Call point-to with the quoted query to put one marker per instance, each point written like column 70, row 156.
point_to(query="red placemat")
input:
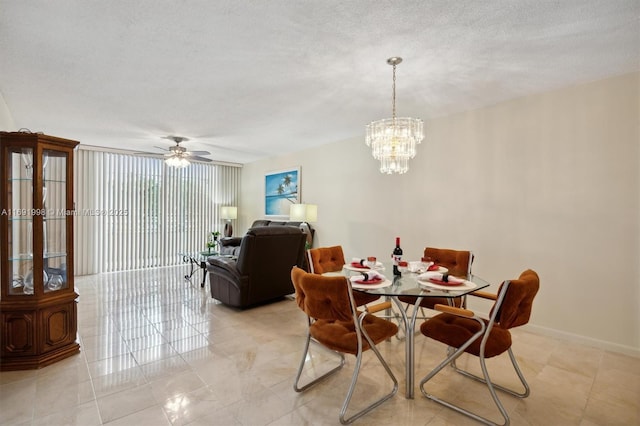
column 373, row 281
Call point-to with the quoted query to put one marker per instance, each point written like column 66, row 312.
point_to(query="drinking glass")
column 17, row 281
column 55, row 283
column 28, row 283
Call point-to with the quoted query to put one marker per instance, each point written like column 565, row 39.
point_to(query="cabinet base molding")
column 38, row 361
column 35, row 336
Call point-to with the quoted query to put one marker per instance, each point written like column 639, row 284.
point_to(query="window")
column 135, row 212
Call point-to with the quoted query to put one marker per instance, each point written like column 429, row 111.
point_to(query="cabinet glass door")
column 20, row 212
column 54, row 227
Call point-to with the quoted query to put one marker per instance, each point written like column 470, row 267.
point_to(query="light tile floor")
column 156, row 349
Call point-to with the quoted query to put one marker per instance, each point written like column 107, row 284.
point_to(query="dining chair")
column 331, row 259
column 458, row 262
column 335, row 324
column 462, row 330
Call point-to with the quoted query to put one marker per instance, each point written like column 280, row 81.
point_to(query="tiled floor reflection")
column 156, row 349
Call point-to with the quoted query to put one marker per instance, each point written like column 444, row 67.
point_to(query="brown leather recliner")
column 262, row 271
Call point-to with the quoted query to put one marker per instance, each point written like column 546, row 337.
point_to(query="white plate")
column 385, row 283
column 423, row 279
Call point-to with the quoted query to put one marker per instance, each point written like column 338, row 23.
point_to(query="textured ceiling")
column 251, row 79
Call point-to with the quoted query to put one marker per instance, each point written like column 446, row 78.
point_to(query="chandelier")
column 393, row 140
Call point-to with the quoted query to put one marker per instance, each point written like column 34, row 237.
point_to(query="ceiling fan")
column 178, row 156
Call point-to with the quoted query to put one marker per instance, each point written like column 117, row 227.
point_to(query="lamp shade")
column 229, row 212
column 303, row 212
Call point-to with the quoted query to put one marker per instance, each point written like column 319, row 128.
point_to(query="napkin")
column 451, row 280
column 422, row 266
column 359, row 263
column 368, row 277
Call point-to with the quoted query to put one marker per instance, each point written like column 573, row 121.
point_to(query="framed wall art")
column 281, row 189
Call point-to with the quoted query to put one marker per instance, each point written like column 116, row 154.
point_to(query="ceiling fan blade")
column 163, row 149
column 147, row 154
column 198, row 158
column 198, row 153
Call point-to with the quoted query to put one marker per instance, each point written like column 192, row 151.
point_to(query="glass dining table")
column 408, row 284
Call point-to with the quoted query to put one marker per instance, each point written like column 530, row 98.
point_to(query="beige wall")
column 6, row 120
column 548, row 182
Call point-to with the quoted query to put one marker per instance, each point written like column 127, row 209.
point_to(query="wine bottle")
column 397, row 257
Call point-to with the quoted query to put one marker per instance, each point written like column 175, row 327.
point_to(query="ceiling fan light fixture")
column 177, row 162
column 178, row 156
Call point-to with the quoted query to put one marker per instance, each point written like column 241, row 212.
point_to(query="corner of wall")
column 6, row 119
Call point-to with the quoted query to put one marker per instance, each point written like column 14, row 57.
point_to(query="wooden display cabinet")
column 38, row 315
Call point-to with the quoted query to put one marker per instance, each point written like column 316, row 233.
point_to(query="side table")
column 198, row 259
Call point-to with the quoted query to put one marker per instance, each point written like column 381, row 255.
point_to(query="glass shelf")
column 26, row 256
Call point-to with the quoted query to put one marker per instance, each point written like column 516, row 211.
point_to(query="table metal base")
column 202, row 264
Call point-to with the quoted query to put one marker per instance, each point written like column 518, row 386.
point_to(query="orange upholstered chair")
column 326, row 259
column 335, row 324
column 331, row 259
column 458, row 262
column 485, row 338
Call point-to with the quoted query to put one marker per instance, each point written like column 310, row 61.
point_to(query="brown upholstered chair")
column 335, row 324
column 331, row 259
column 458, row 262
column 463, row 329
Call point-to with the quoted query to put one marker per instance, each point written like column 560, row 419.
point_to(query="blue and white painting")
column 282, row 189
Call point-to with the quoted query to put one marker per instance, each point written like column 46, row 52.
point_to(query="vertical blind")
column 136, row 212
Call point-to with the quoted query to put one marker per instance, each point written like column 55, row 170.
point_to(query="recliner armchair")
column 262, row 271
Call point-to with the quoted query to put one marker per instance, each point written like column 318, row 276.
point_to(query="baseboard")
column 583, row 340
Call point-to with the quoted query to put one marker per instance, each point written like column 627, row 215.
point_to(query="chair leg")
column 516, row 367
column 354, row 380
column 296, row 384
column 486, row 379
column 450, row 359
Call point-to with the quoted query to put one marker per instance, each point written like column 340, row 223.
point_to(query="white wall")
column 6, row 120
column 548, row 182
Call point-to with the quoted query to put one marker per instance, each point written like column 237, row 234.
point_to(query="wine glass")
column 371, row 262
column 27, row 158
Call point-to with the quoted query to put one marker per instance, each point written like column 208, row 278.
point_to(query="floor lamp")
column 228, row 213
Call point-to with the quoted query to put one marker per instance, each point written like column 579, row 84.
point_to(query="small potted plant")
column 212, row 240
